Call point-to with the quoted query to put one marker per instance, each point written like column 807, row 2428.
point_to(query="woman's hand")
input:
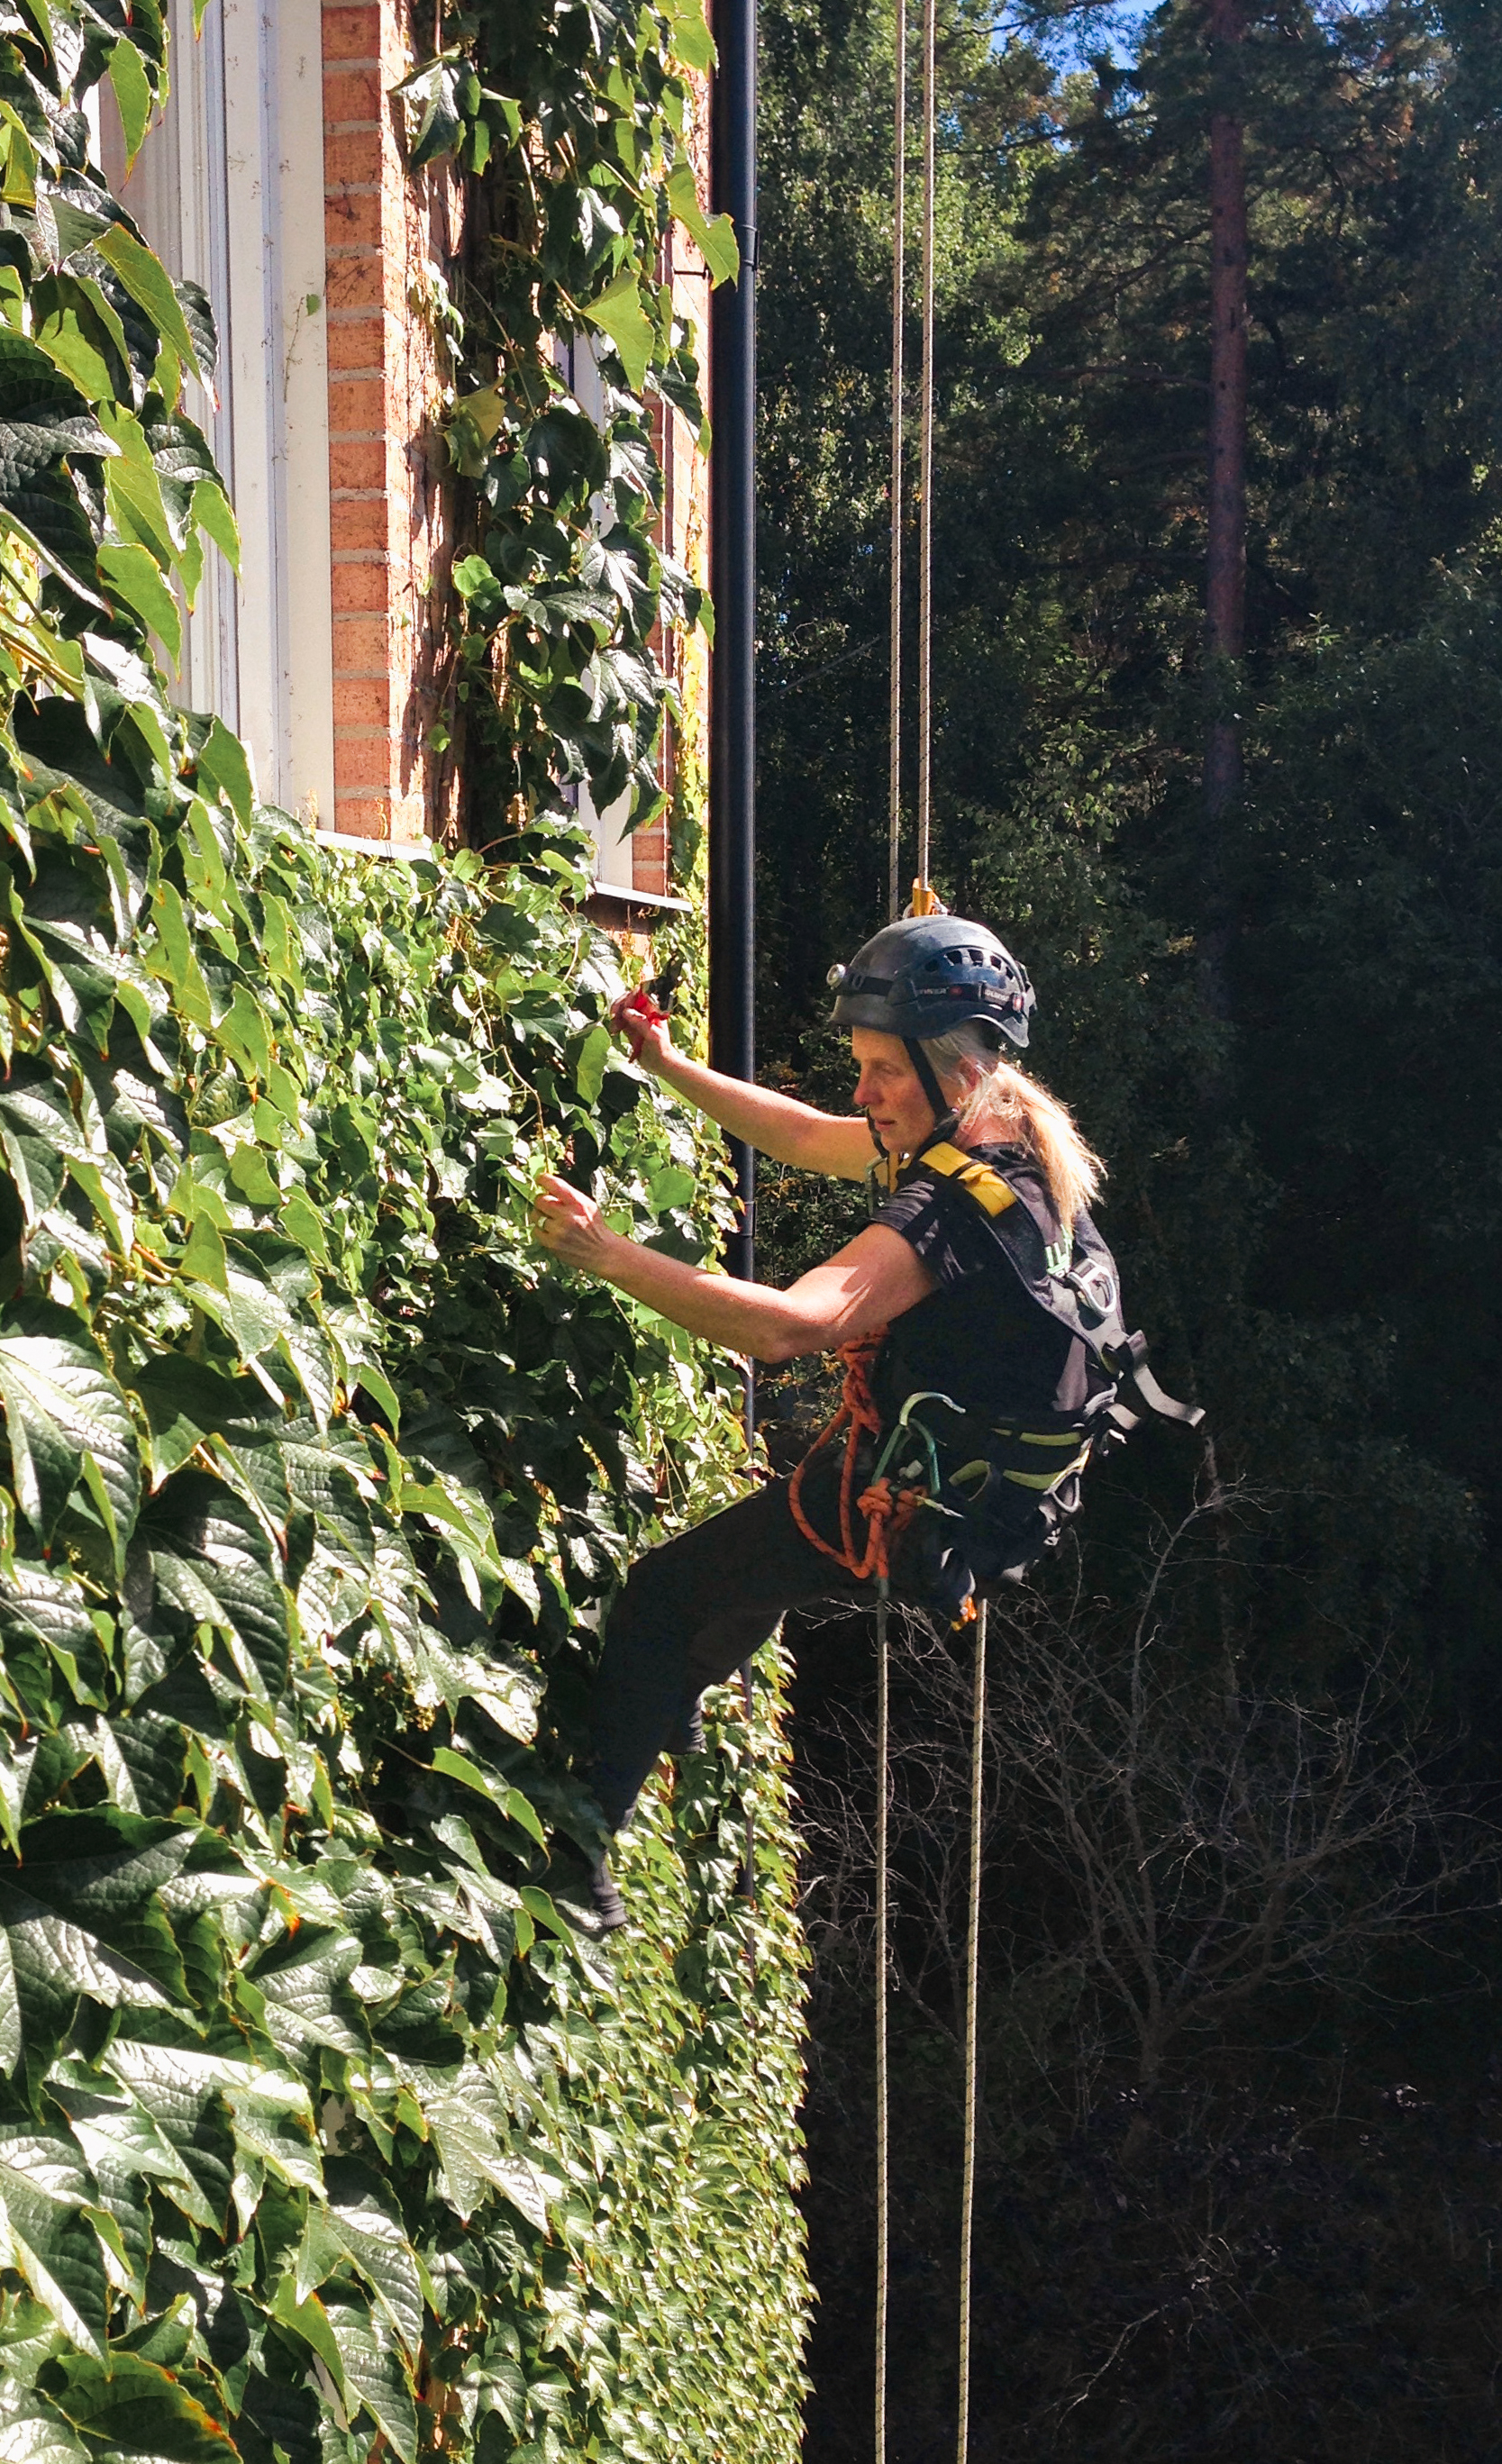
column 571, row 1227
column 646, row 1029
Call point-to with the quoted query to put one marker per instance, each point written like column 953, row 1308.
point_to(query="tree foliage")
column 325, row 2128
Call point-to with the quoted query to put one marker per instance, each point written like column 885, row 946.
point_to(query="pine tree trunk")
column 1225, row 580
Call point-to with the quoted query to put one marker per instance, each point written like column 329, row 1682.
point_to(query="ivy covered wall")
column 325, row 2128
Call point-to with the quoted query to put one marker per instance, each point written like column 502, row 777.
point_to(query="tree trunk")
column 1226, row 580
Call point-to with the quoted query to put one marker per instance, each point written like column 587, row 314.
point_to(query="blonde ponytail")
column 995, row 1101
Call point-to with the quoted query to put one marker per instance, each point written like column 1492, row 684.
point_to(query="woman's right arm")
column 779, row 1126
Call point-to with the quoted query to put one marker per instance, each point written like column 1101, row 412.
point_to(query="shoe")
column 609, row 1908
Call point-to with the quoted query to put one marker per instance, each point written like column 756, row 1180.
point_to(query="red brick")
column 358, row 522
column 356, row 342
column 360, row 280
column 352, row 33
column 363, row 817
column 352, row 97
column 362, row 702
column 356, row 405
column 362, row 761
column 356, row 464
column 352, row 154
column 352, row 217
column 361, row 587
column 362, row 645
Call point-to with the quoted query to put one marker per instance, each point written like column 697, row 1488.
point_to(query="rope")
column 972, row 2015
column 925, row 534
column 887, row 1511
column 883, row 2199
column 898, row 309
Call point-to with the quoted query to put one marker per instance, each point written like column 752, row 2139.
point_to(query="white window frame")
column 229, row 189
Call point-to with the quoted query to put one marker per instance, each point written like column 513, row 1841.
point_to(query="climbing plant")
column 565, row 585
column 325, row 2128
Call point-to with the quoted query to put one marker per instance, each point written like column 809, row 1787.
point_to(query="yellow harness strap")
column 985, row 1186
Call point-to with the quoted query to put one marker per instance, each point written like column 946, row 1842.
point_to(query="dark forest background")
column 1241, row 2160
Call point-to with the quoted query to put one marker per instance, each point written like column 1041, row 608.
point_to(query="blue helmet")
column 926, row 974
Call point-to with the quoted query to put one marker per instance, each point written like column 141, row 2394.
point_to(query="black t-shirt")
column 979, row 1338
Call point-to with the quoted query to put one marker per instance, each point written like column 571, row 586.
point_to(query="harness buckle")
column 1093, row 1286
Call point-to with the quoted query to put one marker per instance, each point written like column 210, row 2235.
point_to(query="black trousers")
column 694, row 1611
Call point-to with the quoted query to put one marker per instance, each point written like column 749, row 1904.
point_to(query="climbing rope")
column 972, row 2002
column 898, row 314
column 886, row 1515
column 925, row 509
column 883, row 2201
column 887, row 1511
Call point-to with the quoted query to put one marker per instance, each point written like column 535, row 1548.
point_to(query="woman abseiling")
column 987, row 1343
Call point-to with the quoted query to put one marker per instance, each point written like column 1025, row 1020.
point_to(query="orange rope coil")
column 887, row 1511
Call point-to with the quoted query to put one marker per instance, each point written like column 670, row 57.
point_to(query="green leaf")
column 67, row 1420
column 590, row 1067
column 506, row 1800
column 174, row 958
column 691, row 38
column 431, row 95
column 185, row 1401
column 146, row 279
column 212, row 1561
column 373, row 2373
column 138, row 2409
column 132, row 574
column 361, row 2225
column 213, row 514
column 74, row 324
column 221, row 760
column 377, row 1386
column 715, row 235
column 45, row 2235
column 474, row 2161
column 301, row 1979
column 619, row 313
column 301, row 1221
column 309, row 2319
column 133, row 94
column 118, row 2135
column 30, row 2432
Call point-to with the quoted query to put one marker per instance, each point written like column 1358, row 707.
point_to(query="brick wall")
column 388, row 238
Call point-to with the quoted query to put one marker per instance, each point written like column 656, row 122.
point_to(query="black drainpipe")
column 732, row 569
column 732, row 771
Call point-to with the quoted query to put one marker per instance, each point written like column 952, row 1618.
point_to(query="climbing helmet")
column 927, row 974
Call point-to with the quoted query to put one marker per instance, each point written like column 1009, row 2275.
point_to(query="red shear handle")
column 633, row 1014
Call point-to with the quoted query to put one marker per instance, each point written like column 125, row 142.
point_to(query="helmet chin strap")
column 945, row 1117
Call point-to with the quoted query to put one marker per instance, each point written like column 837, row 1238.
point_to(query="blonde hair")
column 996, row 1097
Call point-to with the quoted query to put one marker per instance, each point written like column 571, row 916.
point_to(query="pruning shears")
column 636, row 1013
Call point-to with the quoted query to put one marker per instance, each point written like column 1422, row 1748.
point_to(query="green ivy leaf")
column 67, row 1420
column 146, row 279
column 140, row 2410
column 45, row 2236
column 360, row 2226
column 619, row 313
column 713, row 234
column 133, row 94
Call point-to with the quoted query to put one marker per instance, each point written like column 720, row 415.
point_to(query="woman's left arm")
column 873, row 1279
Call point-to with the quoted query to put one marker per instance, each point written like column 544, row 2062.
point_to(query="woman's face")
column 890, row 1090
